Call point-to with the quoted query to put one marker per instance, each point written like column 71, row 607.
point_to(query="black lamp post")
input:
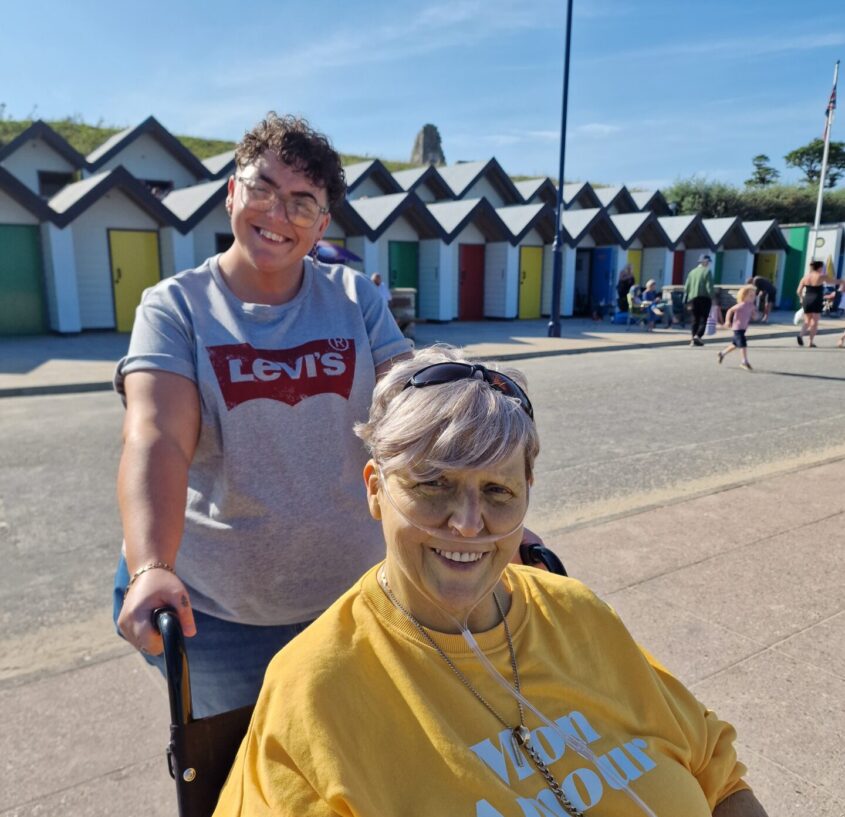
column 557, row 247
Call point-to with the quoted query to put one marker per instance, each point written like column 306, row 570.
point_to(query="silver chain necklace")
column 520, row 735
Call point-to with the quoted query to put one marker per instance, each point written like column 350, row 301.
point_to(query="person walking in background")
column 699, row 293
column 738, row 318
column 811, row 292
column 626, row 281
column 382, row 287
column 767, row 294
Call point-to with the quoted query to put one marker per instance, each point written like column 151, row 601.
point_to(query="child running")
column 738, row 318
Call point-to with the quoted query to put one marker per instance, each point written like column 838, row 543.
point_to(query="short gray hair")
column 464, row 424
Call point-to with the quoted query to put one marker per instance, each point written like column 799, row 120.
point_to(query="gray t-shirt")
column 276, row 523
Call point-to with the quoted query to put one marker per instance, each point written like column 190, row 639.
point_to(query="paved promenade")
column 739, row 591
column 51, row 364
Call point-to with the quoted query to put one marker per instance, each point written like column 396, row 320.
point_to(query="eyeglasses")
column 440, row 373
column 301, row 211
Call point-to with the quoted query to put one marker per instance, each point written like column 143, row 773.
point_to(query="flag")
column 828, row 112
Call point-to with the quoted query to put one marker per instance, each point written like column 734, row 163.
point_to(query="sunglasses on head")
column 440, row 373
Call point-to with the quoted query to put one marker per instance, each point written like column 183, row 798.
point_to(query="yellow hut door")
column 530, row 279
column 635, row 259
column 134, row 267
column 766, row 265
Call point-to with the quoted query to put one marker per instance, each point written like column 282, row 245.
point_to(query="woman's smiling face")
column 441, row 578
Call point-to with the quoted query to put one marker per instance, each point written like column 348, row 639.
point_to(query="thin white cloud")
column 596, row 129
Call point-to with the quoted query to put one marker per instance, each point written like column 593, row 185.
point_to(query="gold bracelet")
column 140, row 572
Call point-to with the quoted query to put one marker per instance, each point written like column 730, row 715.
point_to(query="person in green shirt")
column 699, row 293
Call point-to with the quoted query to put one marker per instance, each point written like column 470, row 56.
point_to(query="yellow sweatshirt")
column 360, row 716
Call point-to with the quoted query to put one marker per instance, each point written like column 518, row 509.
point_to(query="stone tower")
column 428, row 149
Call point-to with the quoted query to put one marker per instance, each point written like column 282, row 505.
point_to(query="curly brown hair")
column 293, row 141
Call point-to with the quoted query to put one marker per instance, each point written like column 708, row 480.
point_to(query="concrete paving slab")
column 140, row 790
column 786, row 712
column 766, row 591
column 697, row 647
column 785, row 793
column 76, row 727
column 822, row 646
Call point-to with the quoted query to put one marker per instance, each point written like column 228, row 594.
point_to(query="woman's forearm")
column 741, row 804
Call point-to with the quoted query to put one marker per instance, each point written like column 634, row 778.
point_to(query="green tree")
column 763, row 174
column 808, row 160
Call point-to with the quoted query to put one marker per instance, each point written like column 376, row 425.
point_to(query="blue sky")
column 659, row 89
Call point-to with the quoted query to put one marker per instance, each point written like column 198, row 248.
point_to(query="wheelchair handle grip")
column 177, row 674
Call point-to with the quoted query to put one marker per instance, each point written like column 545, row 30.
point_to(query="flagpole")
column 825, row 152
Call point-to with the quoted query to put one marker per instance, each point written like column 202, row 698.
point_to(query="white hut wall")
column 33, row 156
column 114, row 211
column 355, row 244
column 147, row 160
column 657, row 264
column 217, row 222
column 498, row 300
column 60, row 278
column 737, row 266
column 567, row 291
column 177, row 251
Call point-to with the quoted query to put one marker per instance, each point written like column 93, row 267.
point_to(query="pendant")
column 519, row 737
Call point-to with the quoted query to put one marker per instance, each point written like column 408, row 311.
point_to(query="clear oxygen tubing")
column 576, row 744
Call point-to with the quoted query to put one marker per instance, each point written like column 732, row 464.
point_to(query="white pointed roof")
column 407, row 178
column 518, row 216
column 72, row 193
column 376, row 210
column 184, row 202
column 216, row 164
column 629, row 224
column 676, row 226
column 529, row 187
column 450, row 214
column 718, row 228
column 461, row 175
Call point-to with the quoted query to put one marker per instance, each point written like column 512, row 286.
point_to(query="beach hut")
column 580, row 196
column 652, row 200
column 152, row 155
column 688, row 240
column 734, row 262
column 109, row 245
column 616, row 200
column 202, row 227
column 534, row 191
column 589, row 260
column 27, row 299
column 645, row 246
column 42, row 159
column 395, row 226
column 462, row 284
column 516, row 270
column 425, row 181
column 770, row 249
column 368, row 179
column 472, row 180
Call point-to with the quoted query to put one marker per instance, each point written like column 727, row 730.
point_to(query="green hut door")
column 403, row 266
column 21, row 281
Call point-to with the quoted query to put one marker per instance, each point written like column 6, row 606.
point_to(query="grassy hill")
column 86, row 138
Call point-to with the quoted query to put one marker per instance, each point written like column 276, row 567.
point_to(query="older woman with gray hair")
column 449, row 681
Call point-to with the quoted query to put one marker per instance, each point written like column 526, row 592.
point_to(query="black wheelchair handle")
column 534, row 554
column 166, row 621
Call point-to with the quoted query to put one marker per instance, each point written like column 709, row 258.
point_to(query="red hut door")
column 471, row 282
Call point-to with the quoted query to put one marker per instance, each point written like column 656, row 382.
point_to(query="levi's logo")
column 325, row 366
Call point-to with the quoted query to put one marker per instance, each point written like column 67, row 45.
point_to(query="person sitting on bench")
column 448, row 680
